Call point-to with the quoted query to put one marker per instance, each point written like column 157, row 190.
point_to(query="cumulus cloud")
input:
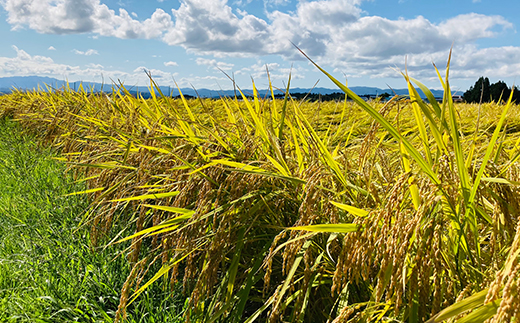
column 214, row 64
column 86, row 53
column 277, row 72
column 98, row 66
column 332, row 31
column 51, row 48
column 211, row 26
column 25, row 64
column 276, row 2
column 157, row 75
column 473, row 26
column 82, row 16
column 210, row 81
column 171, row 63
column 472, row 62
column 336, row 33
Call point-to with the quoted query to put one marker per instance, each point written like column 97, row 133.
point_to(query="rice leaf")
column 245, row 168
column 499, row 180
column 186, row 214
column 172, row 209
column 351, row 209
column 284, row 109
column 107, row 165
column 334, row 228
column 288, row 279
column 418, row 114
column 163, row 271
column 93, row 190
column 414, row 190
column 467, row 304
column 481, row 314
column 489, row 150
column 146, row 197
column 414, row 153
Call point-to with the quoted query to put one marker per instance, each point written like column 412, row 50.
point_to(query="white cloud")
column 333, row 32
column 469, row 27
column 211, row 26
column 86, row 53
column 51, row 48
column 214, row 64
column 242, row 3
column 24, row 64
column 158, row 75
column 209, row 81
column 170, row 63
column 276, row 2
column 97, row 66
column 471, row 62
column 258, row 71
column 82, row 16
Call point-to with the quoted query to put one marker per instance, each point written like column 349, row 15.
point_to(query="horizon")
column 194, row 42
column 33, row 82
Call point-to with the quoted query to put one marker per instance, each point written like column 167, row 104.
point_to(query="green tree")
column 384, row 96
column 516, row 94
column 477, row 91
column 499, row 91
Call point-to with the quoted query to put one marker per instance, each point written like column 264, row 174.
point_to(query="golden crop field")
column 290, row 211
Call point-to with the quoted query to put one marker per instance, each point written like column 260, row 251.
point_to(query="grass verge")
column 48, row 270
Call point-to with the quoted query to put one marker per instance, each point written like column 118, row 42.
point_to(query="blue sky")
column 193, row 41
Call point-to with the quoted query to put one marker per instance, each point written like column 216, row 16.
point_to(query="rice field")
column 273, row 210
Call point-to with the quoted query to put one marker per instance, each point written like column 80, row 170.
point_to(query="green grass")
column 48, row 270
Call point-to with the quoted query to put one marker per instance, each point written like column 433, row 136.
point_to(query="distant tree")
column 499, row 91
column 492, row 92
column 516, row 95
column 480, row 89
column 384, row 96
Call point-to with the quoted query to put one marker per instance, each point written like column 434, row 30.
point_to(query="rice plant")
column 284, row 210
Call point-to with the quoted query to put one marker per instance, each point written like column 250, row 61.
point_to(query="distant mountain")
column 35, row 82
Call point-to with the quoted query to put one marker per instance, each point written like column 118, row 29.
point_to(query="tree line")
column 483, row 91
column 336, row 96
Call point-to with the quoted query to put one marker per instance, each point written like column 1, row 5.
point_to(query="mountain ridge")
column 43, row 82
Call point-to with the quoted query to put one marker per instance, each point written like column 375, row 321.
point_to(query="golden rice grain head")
column 509, row 307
